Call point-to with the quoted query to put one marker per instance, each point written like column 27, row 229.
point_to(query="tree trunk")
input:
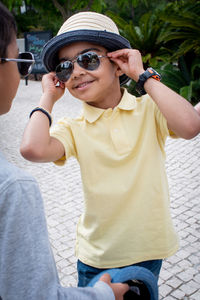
column 61, row 9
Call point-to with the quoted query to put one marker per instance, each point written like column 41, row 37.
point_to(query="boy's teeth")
column 82, row 84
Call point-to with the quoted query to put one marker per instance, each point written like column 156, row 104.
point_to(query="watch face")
column 150, row 72
column 153, row 73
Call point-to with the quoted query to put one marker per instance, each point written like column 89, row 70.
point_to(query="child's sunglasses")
column 24, row 61
column 89, row 61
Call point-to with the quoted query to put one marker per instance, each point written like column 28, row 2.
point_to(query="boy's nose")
column 77, row 71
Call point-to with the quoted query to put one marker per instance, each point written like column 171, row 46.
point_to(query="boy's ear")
column 119, row 71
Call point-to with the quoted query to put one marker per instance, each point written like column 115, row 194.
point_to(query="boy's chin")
column 84, row 97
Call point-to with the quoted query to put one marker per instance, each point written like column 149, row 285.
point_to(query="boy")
column 118, row 141
column 27, row 267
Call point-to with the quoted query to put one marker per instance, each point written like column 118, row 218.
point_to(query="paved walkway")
column 61, row 189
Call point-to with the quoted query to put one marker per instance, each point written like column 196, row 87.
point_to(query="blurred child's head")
column 8, row 29
column 9, row 75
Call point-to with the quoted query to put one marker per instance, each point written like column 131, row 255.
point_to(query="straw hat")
column 88, row 27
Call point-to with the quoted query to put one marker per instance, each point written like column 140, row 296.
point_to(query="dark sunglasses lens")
column 25, row 67
column 88, row 61
column 64, row 70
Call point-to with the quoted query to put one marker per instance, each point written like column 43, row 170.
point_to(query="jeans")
column 86, row 273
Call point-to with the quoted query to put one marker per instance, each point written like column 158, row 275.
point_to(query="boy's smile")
column 83, row 84
column 99, row 87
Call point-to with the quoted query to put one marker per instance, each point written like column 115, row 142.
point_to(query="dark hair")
column 8, row 29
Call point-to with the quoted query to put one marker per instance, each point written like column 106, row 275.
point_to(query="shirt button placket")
column 118, row 134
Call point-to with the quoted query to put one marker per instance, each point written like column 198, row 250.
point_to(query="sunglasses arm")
column 17, row 60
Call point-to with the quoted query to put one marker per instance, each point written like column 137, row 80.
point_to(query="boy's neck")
column 109, row 102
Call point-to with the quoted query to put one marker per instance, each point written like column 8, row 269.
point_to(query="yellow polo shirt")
column 122, row 160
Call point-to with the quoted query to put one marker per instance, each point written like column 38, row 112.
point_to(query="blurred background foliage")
column 167, row 32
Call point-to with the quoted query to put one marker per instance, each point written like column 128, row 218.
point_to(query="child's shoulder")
column 144, row 101
column 11, row 175
column 68, row 121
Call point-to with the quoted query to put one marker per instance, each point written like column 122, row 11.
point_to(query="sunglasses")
column 89, row 61
column 24, row 61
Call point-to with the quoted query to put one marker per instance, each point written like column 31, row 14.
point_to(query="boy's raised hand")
column 119, row 289
column 51, row 88
column 182, row 119
column 129, row 61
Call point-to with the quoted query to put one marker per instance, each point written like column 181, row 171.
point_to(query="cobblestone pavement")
column 62, row 193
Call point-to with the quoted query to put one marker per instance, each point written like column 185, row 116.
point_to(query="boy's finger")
column 119, row 53
column 121, row 288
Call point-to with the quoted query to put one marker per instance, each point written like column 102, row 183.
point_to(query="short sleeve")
column 160, row 122
column 63, row 132
column 163, row 130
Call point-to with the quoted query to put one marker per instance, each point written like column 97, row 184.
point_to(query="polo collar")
column 92, row 113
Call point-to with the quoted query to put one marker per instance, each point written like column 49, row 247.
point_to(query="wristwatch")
column 150, row 72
